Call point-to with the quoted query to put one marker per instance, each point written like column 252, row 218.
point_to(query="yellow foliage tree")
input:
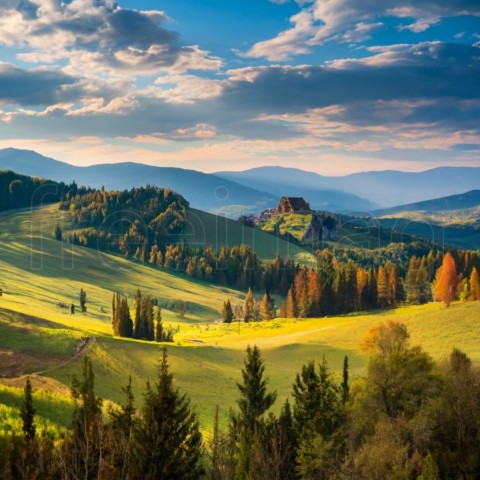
column 446, row 280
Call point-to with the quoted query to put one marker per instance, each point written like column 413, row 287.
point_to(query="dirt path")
column 81, row 351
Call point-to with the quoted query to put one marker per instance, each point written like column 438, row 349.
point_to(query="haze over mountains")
column 236, row 193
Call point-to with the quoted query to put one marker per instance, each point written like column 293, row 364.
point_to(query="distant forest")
column 142, row 223
column 20, row 191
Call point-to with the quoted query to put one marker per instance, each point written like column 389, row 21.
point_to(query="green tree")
column 83, row 300
column 168, row 443
column 345, row 385
column 255, row 400
column 27, row 412
column 227, row 312
column 57, row 232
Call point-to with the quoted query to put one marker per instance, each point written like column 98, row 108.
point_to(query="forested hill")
column 127, row 221
column 19, row 191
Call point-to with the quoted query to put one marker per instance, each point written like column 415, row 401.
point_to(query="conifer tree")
column 138, row 331
column 168, row 443
column 27, row 412
column 283, row 309
column 382, row 288
column 227, row 312
column 255, row 400
column 345, row 385
column 159, row 333
column 249, row 306
column 83, row 300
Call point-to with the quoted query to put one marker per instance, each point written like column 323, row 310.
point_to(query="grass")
column 293, row 223
column 207, row 229
column 206, row 358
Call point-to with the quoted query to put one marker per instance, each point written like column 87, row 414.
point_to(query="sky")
column 332, row 86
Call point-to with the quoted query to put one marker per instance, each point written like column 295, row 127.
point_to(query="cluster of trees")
column 147, row 324
column 19, row 191
column 161, row 440
column 135, row 223
column 406, row 418
column 251, row 310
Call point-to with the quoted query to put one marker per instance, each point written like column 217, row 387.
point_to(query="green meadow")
column 37, row 336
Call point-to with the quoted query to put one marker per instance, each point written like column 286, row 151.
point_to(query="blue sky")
column 333, row 86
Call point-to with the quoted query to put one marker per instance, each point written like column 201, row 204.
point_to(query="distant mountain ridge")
column 203, row 191
column 387, row 188
column 462, row 201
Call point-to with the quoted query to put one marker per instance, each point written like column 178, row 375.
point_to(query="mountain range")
column 250, row 191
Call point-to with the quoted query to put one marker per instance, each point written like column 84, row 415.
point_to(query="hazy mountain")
column 299, row 183
column 203, row 191
column 386, row 188
column 464, row 201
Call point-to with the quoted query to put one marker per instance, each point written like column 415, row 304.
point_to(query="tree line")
column 335, row 288
column 406, row 418
column 20, row 191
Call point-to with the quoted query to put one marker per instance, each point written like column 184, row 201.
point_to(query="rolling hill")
column 37, row 336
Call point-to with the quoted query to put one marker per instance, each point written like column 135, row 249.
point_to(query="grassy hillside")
column 38, row 336
column 207, row 229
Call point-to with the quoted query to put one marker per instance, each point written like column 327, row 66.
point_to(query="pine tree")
column 267, row 307
column 159, row 334
column 27, row 412
column 249, row 306
column 254, row 402
column 474, row 285
column 83, row 300
column 283, row 310
column 446, row 280
column 58, row 232
column 168, row 443
column 345, row 385
column 227, row 312
column 138, row 331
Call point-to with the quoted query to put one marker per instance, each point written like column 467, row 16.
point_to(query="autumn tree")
column 474, row 285
column 291, row 305
column 446, row 280
column 267, row 307
column 249, row 306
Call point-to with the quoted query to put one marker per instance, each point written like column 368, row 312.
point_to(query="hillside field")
column 37, row 336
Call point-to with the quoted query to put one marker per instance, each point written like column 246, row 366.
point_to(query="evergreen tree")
column 83, row 300
column 227, row 312
column 138, row 331
column 345, row 385
column 27, row 412
column 382, row 288
column 267, row 307
column 249, row 306
column 58, row 232
column 168, row 443
column 255, row 400
column 159, row 333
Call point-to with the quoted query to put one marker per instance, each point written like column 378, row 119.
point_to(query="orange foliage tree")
column 446, row 280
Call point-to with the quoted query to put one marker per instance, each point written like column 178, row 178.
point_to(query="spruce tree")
column 345, row 385
column 227, row 312
column 138, row 331
column 27, row 412
column 159, row 335
column 83, row 300
column 291, row 305
column 255, row 400
column 168, row 443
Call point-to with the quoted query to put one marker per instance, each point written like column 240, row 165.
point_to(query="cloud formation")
column 321, row 21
